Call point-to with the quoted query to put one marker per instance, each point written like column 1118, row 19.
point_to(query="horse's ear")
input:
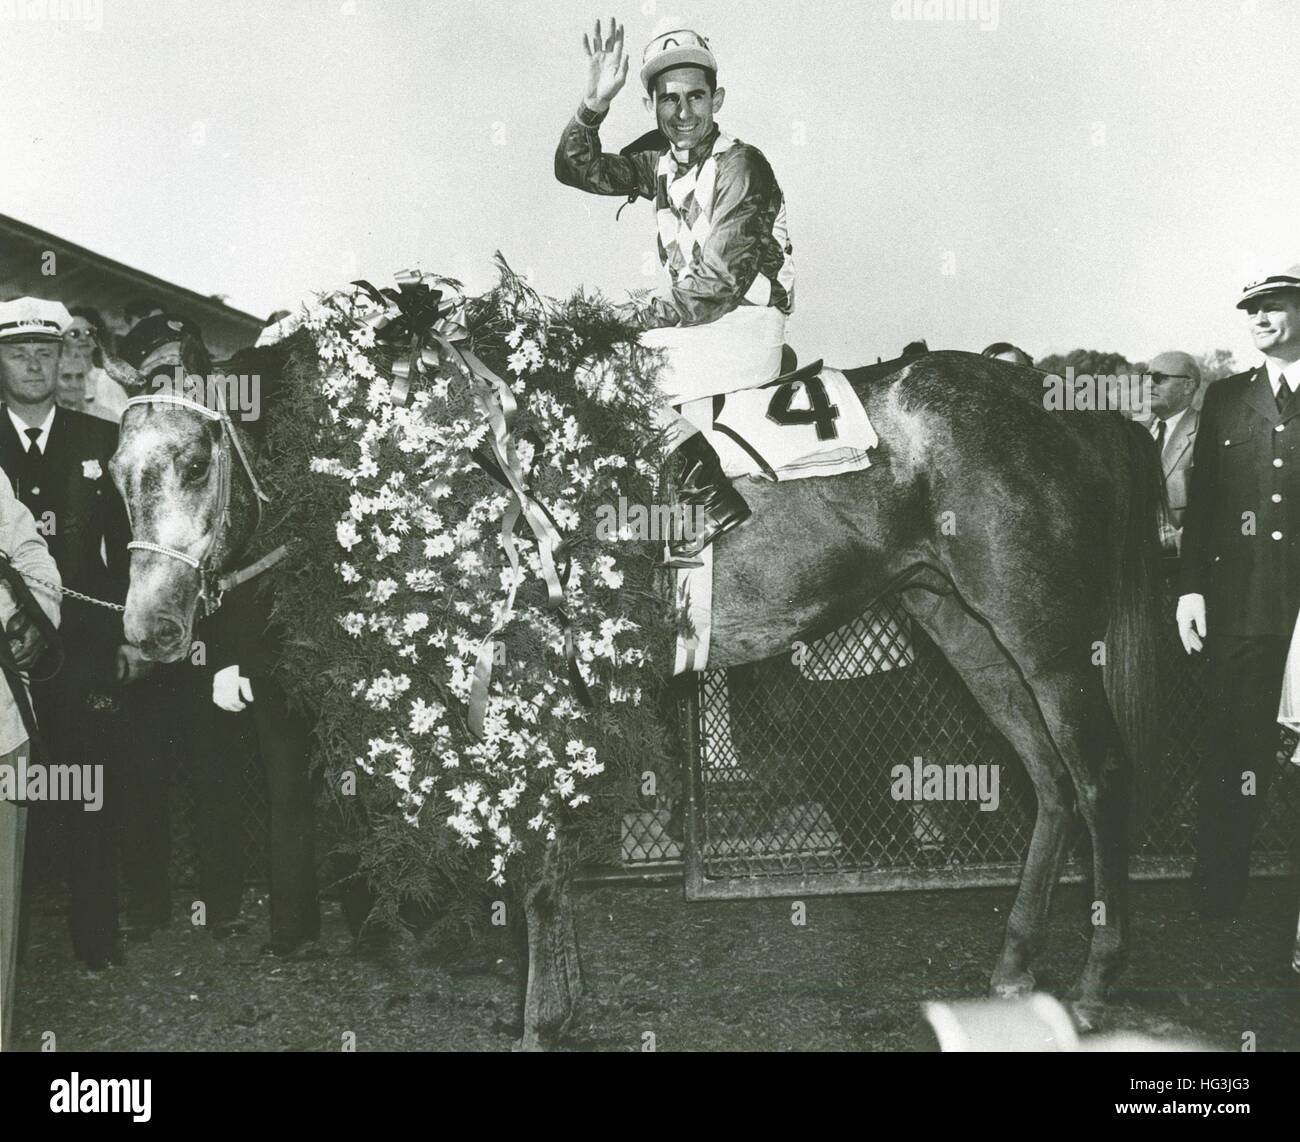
column 125, row 375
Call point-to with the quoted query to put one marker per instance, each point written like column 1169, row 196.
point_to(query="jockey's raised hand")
column 606, row 66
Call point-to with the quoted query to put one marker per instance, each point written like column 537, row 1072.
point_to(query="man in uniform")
column 722, row 238
column 57, row 461
column 1240, row 581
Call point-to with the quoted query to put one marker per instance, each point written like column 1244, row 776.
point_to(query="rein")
column 212, row 585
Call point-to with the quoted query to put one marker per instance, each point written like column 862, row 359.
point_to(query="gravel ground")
column 698, row 976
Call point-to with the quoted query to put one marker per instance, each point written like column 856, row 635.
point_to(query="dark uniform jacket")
column 71, row 495
column 1241, row 527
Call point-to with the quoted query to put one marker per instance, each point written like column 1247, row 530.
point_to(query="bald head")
column 1175, row 378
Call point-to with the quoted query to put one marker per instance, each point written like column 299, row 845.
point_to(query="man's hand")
column 131, row 664
column 231, row 690
column 24, row 640
column 1191, row 621
column 606, row 66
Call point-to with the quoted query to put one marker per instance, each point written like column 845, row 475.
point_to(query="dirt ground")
column 700, row 977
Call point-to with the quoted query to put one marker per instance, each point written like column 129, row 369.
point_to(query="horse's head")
column 173, row 470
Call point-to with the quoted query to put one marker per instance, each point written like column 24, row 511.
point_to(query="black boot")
column 711, row 505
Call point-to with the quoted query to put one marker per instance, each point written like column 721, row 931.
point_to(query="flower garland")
column 418, row 577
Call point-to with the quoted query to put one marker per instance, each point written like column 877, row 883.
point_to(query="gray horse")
column 1023, row 540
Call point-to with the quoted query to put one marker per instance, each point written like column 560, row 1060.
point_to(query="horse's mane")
column 270, row 364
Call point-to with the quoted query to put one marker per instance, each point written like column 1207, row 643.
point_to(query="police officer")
column 1240, row 581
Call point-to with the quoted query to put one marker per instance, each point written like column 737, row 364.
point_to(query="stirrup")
column 677, row 562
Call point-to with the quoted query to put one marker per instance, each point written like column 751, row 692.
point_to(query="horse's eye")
column 196, row 471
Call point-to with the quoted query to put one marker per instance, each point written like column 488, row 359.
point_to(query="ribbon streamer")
column 417, row 314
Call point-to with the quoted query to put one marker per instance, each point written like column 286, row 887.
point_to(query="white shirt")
column 21, row 426
column 1171, row 422
column 1277, row 370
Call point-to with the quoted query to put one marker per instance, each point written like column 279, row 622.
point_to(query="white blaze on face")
column 165, row 470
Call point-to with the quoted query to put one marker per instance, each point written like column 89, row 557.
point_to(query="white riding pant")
column 741, row 350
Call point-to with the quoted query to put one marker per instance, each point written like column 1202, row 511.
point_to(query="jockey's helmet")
column 680, row 48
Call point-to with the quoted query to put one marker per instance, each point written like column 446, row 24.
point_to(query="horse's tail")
column 1132, row 673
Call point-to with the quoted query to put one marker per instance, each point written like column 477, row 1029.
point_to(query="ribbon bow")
column 417, row 313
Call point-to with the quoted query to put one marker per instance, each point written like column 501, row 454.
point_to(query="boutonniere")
column 91, row 469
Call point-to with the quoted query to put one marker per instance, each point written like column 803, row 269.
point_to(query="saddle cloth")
column 790, row 431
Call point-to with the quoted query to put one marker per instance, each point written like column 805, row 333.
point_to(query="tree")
column 1091, row 361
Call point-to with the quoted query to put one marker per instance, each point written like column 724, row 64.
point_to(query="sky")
column 1104, row 174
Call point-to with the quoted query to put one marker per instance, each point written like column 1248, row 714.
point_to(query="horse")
column 1023, row 540
column 161, row 469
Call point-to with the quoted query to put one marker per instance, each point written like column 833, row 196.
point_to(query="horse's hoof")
column 1087, row 1014
column 1012, row 986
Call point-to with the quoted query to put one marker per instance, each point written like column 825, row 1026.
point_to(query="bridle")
column 212, row 583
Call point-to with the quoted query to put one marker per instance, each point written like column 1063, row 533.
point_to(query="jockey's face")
column 684, row 106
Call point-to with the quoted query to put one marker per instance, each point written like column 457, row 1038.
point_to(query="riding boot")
column 711, row 505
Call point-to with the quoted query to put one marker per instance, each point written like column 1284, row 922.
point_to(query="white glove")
column 1191, row 621
column 231, row 690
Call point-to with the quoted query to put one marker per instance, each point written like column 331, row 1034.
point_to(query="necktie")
column 1283, row 393
column 1160, row 436
column 33, row 435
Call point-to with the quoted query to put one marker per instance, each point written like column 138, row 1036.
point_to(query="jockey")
column 722, row 238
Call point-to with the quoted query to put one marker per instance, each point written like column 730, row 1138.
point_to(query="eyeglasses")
column 79, row 335
column 1160, row 378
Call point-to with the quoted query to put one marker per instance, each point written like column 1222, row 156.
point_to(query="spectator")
column 57, row 461
column 84, row 386
column 24, row 547
column 1240, row 582
column 1005, row 351
column 1170, row 390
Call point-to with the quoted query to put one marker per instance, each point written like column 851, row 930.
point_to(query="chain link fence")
column 789, row 785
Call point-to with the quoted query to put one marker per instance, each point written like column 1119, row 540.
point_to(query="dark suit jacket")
column 78, row 510
column 1241, row 527
column 240, row 632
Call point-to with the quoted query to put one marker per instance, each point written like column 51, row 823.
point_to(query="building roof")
column 86, row 278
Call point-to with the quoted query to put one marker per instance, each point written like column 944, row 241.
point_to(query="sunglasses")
column 1160, row 378
column 79, row 335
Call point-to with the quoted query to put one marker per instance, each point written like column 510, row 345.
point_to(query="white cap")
column 1287, row 279
column 33, row 319
column 678, row 48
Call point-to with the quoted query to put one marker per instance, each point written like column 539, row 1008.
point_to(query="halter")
column 213, row 585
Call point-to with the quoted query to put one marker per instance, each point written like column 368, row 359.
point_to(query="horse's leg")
column 554, row 965
column 997, row 685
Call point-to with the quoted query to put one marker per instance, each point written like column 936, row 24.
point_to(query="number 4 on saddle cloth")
column 805, row 423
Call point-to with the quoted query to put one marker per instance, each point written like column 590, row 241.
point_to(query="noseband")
column 212, row 584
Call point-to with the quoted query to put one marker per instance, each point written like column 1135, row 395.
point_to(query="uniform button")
column 36, row 491
column 1276, row 497
column 1278, row 462
column 1277, row 535
column 1278, row 427
column 1226, row 443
